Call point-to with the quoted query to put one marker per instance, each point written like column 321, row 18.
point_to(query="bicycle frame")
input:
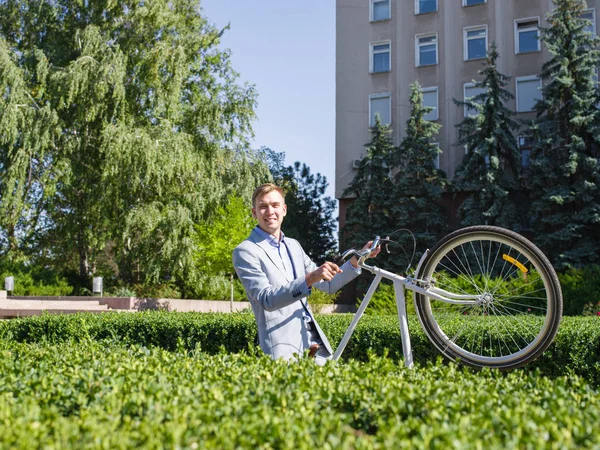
column 400, row 285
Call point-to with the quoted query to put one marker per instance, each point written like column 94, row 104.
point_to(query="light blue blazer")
column 277, row 299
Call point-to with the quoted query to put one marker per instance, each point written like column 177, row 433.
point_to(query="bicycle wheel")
column 519, row 301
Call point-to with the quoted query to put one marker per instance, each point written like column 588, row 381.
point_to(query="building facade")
column 383, row 46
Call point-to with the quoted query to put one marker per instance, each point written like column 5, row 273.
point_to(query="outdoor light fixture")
column 97, row 286
column 9, row 284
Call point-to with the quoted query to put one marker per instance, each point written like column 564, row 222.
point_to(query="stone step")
column 14, row 313
column 71, row 298
column 93, row 305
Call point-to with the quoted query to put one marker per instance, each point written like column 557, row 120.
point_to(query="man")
column 278, row 277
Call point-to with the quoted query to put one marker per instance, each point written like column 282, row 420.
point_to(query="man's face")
column 270, row 210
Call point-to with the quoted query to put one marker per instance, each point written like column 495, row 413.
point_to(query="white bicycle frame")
column 400, row 285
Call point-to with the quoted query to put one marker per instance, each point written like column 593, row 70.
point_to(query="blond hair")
column 264, row 189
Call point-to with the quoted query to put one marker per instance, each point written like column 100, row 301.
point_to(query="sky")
column 286, row 48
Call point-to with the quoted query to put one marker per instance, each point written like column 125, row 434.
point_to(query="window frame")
column 524, row 148
column 516, row 35
column 418, row 11
column 372, row 10
column 436, row 109
column 418, row 49
column 521, row 79
column 465, row 107
column 372, row 54
column 466, row 41
column 593, row 11
column 380, row 95
column 464, row 3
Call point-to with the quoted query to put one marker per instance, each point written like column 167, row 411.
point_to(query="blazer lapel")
column 270, row 252
column 296, row 257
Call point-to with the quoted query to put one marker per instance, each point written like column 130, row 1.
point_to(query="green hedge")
column 37, row 283
column 108, row 395
column 580, row 287
column 576, row 349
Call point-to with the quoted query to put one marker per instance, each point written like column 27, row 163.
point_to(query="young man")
column 278, row 277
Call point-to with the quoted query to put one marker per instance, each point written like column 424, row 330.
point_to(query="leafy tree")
column 310, row 213
column 489, row 173
column 564, row 172
column 116, row 123
column 418, row 184
column 371, row 212
column 215, row 239
column 27, row 130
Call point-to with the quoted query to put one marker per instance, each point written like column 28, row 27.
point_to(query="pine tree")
column 370, row 213
column 489, row 172
column 310, row 214
column 419, row 184
column 564, row 171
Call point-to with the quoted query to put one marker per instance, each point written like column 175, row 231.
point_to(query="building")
column 382, row 46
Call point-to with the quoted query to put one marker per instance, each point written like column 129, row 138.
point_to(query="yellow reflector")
column 513, row 261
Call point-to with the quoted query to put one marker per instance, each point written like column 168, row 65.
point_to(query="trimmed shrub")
column 576, row 349
column 579, row 287
column 108, row 395
column 37, row 283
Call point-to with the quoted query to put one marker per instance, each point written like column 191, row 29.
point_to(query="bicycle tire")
column 519, row 299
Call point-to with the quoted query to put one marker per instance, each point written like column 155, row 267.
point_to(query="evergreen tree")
column 419, row 184
column 310, row 213
column 489, row 172
column 370, row 213
column 564, row 171
column 115, row 131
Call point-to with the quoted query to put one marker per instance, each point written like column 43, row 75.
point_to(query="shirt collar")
column 269, row 237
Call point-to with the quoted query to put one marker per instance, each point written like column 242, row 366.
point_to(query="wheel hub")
column 486, row 299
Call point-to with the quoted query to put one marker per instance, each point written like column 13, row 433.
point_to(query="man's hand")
column 374, row 253
column 325, row 272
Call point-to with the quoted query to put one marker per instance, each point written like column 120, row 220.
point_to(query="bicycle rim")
column 519, row 302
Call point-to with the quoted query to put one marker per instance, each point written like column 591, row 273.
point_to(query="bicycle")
column 485, row 296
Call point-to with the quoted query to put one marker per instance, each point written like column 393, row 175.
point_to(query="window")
column 528, row 93
column 525, row 145
column 590, row 14
column 527, row 33
column 470, row 91
column 380, row 57
column 430, row 98
column 426, row 51
column 380, row 10
column 425, row 6
column 380, row 104
column 473, row 2
column 475, row 42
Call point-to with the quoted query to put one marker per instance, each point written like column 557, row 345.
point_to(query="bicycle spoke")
column 502, row 318
column 513, row 317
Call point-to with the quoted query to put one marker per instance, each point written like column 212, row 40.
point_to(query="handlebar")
column 362, row 255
